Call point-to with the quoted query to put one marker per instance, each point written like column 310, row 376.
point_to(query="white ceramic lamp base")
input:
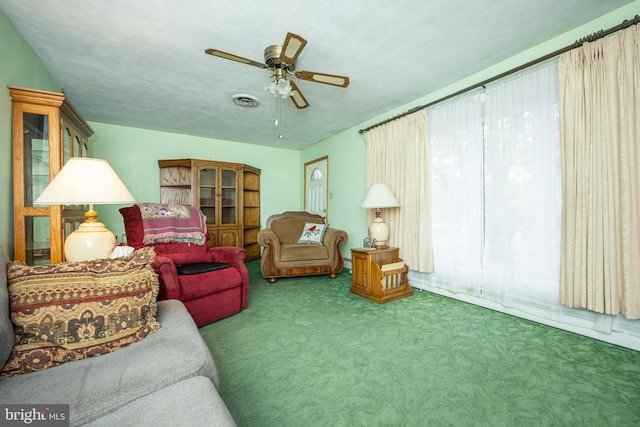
column 92, row 240
column 379, row 230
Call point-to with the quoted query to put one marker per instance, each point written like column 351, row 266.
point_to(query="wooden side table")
column 379, row 275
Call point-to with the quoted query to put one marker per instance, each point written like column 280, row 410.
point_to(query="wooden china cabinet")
column 227, row 193
column 47, row 131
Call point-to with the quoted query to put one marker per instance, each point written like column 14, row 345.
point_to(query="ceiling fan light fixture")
column 280, row 87
column 244, row 100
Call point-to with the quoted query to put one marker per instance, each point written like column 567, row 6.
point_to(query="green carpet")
column 309, row 353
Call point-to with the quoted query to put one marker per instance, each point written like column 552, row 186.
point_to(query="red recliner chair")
column 212, row 282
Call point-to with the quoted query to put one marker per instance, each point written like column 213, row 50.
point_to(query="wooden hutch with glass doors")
column 47, row 131
column 228, row 194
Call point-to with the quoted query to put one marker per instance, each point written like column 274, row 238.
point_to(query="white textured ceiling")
column 142, row 63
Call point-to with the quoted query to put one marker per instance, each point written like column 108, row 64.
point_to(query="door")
column 316, row 187
column 360, row 271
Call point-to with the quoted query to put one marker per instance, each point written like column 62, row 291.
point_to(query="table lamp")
column 378, row 197
column 86, row 181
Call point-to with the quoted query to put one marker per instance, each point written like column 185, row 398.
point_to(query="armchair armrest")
column 268, row 239
column 168, row 276
column 271, row 254
column 228, row 254
column 333, row 239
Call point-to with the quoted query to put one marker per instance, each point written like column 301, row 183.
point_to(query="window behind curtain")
column 455, row 151
column 496, row 195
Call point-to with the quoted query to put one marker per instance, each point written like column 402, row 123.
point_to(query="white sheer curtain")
column 495, row 189
column 523, row 188
column 600, row 93
column 455, row 152
column 397, row 156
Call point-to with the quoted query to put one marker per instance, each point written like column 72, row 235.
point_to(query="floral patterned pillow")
column 73, row 310
column 313, row 233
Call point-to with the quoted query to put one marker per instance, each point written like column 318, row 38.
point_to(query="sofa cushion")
column 303, row 252
column 73, row 310
column 194, row 402
column 98, row 386
column 312, row 233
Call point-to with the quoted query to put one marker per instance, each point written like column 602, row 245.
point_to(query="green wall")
column 134, row 154
column 19, row 66
column 346, row 150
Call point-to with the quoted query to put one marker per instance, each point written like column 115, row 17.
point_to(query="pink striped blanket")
column 172, row 223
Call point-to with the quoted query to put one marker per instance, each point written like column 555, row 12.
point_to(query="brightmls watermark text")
column 34, row 415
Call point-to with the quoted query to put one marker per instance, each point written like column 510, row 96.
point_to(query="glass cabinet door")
column 229, row 199
column 208, row 194
column 37, row 228
column 36, row 156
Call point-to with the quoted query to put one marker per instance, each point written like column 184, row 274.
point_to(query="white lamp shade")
column 84, row 181
column 379, row 196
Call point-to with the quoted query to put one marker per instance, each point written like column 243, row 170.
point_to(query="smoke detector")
column 245, row 100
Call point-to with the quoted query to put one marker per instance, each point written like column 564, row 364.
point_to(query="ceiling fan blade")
column 231, row 56
column 296, row 96
column 328, row 79
column 293, row 45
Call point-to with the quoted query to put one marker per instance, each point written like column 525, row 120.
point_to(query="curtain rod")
column 590, row 38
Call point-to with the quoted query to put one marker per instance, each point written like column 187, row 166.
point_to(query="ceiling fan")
column 281, row 60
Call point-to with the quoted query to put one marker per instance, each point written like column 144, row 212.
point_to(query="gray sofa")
column 167, row 379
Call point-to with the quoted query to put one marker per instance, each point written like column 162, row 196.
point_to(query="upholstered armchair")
column 290, row 249
column 212, row 282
